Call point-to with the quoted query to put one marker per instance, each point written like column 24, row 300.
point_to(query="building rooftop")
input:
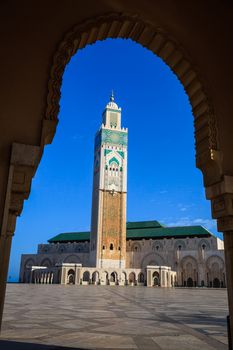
column 140, row 230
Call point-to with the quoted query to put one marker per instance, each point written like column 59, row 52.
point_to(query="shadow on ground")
column 14, row 345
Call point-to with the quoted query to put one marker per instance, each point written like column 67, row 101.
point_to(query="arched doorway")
column 216, row 283
column 86, row 276
column 71, row 276
column 113, row 277
column 189, row 282
column 132, row 278
column 95, row 277
column 156, row 279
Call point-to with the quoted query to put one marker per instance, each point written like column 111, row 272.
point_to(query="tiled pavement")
column 99, row 317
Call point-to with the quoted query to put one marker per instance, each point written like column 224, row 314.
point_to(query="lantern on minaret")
column 108, row 222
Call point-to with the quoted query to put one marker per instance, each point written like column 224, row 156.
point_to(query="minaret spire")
column 112, row 96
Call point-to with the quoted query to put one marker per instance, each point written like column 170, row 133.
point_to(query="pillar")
column 221, row 195
column 23, row 163
column 5, row 248
column 228, row 247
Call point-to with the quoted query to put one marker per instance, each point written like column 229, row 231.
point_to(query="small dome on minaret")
column 111, row 104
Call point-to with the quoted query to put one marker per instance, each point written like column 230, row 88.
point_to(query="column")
column 23, row 163
column 221, row 196
column 228, row 247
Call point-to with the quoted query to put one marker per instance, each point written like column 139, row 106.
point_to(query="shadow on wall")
column 14, row 345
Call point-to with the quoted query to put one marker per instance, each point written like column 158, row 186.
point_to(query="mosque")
column 116, row 252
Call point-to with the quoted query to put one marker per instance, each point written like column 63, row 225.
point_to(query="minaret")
column 108, row 222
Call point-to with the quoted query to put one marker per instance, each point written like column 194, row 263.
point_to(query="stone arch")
column 216, row 283
column 29, row 262
column 132, row 277
column 95, row 277
column 71, row 276
column 72, row 259
column 215, row 258
column 123, row 277
column 62, row 248
column 179, row 243
column 215, row 270
column 204, row 243
column 136, row 247
column 157, row 246
column 153, row 259
column 46, row 262
column 131, row 26
column 113, row 276
column 86, row 276
column 189, row 282
column 189, row 259
column 156, row 278
column 189, row 270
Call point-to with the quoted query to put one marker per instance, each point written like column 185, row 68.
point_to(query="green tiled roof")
column 140, row 230
column 168, row 232
column 143, row 224
column 71, row 236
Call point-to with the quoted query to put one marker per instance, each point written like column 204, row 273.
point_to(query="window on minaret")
column 103, row 247
column 111, row 246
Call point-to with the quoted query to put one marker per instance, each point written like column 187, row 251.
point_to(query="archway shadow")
column 15, row 345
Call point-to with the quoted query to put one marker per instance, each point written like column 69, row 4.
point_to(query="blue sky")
column 163, row 182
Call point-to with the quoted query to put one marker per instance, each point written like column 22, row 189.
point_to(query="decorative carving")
column 23, row 164
column 221, row 196
column 114, row 25
column 225, row 224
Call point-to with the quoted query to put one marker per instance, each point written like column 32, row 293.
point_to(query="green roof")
column 71, row 236
column 168, row 232
column 140, row 230
column 142, row 224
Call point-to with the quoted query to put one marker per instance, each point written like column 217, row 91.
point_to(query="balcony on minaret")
column 112, row 115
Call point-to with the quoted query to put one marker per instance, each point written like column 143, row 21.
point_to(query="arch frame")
column 72, row 255
column 214, row 257
column 157, row 40
column 187, row 258
column 152, row 256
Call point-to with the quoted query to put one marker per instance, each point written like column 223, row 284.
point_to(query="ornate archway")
column 155, row 39
column 129, row 26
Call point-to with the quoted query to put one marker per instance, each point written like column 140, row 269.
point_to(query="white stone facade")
column 189, row 262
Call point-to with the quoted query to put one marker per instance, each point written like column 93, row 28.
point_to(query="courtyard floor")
column 110, row 317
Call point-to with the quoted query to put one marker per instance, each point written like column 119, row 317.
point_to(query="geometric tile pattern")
column 112, row 317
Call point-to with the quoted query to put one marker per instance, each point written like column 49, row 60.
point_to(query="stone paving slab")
column 101, row 317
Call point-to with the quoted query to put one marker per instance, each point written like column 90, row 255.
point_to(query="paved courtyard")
column 107, row 317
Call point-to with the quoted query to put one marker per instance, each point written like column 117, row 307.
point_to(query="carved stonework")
column 23, row 164
column 225, row 224
column 118, row 25
column 221, row 196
